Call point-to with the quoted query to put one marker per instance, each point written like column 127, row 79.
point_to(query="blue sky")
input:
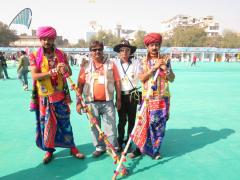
column 71, row 18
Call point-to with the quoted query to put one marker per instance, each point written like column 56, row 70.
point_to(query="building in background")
column 210, row 26
column 124, row 33
column 32, row 41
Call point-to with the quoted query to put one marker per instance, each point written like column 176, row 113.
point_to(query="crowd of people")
column 106, row 85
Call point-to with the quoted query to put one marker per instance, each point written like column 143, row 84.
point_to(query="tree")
column 6, row 35
column 189, row 37
column 65, row 43
column 108, row 38
column 214, row 42
column 230, row 39
column 81, row 44
column 139, row 36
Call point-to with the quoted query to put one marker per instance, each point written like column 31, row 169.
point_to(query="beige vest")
column 108, row 81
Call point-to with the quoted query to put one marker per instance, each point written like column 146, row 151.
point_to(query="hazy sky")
column 71, row 18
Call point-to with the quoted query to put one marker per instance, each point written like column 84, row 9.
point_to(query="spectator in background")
column 194, row 61
column 22, row 70
column 4, row 65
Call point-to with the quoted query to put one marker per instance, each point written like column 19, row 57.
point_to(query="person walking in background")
column 22, row 70
column 51, row 97
column 4, row 65
column 194, row 61
column 1, row 71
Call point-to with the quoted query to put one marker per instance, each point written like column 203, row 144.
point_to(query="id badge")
column 124, row 81
column 101, row 79
column 95, row 76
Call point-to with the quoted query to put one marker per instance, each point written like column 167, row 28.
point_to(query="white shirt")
column 128, row 72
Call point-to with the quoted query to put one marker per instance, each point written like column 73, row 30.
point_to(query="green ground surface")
column 202, row 138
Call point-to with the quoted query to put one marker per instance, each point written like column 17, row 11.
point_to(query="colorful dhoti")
column 151, row 126
column 53, row 125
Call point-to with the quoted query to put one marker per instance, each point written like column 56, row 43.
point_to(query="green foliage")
column 189, row 37
column 139, row 36
column 81, row 44
column 6, row 35
column 230, row 40
column 108, row 38
column 197, row 37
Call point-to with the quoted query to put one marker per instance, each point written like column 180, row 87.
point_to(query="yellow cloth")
column 44, row 86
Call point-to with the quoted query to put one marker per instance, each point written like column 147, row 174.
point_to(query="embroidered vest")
column 44, row 86
column 160, row 88
column 108, row 81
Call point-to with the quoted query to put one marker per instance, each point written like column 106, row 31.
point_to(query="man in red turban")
column 51, row 97
column 152, row 38
column 151, row 126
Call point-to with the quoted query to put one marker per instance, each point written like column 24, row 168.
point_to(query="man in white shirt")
column 128, row 69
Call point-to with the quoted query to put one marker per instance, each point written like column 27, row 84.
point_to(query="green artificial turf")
column 202, row 138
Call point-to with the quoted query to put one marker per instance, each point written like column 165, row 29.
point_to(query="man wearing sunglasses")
column 128, row 69
column 97, row 80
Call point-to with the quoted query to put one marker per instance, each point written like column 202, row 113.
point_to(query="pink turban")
column 46, row 32
column 152, row 38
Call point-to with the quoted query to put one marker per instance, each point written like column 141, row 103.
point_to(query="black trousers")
column 127, row 113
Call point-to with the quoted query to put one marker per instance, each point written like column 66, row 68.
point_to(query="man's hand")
column 62, row 68
column 162, row 64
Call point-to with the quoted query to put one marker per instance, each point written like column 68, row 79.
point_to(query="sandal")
column 48, row 157
column 75, row 152
column 135, row 153
column 157, row 156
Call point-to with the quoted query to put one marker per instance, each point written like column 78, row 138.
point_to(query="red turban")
column 46, row 32
column 152, row 38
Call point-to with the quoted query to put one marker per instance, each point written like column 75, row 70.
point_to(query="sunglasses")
column 95, row 50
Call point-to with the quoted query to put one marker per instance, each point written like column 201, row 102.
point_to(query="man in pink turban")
column 51, row 97
column 150, row 133
column 46, row 32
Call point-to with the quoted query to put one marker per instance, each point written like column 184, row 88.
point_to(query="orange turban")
column 46, row 32
column 152, row 38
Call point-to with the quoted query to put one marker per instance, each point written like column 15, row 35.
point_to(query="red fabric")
column 46, row 32
column 152, row 38
column 74, row 150
column 140, row 133
column 50, row 129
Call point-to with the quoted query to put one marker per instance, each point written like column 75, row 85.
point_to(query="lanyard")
column 93, row 66
column 125, row 71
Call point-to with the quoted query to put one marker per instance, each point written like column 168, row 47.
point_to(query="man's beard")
column 49, row 48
